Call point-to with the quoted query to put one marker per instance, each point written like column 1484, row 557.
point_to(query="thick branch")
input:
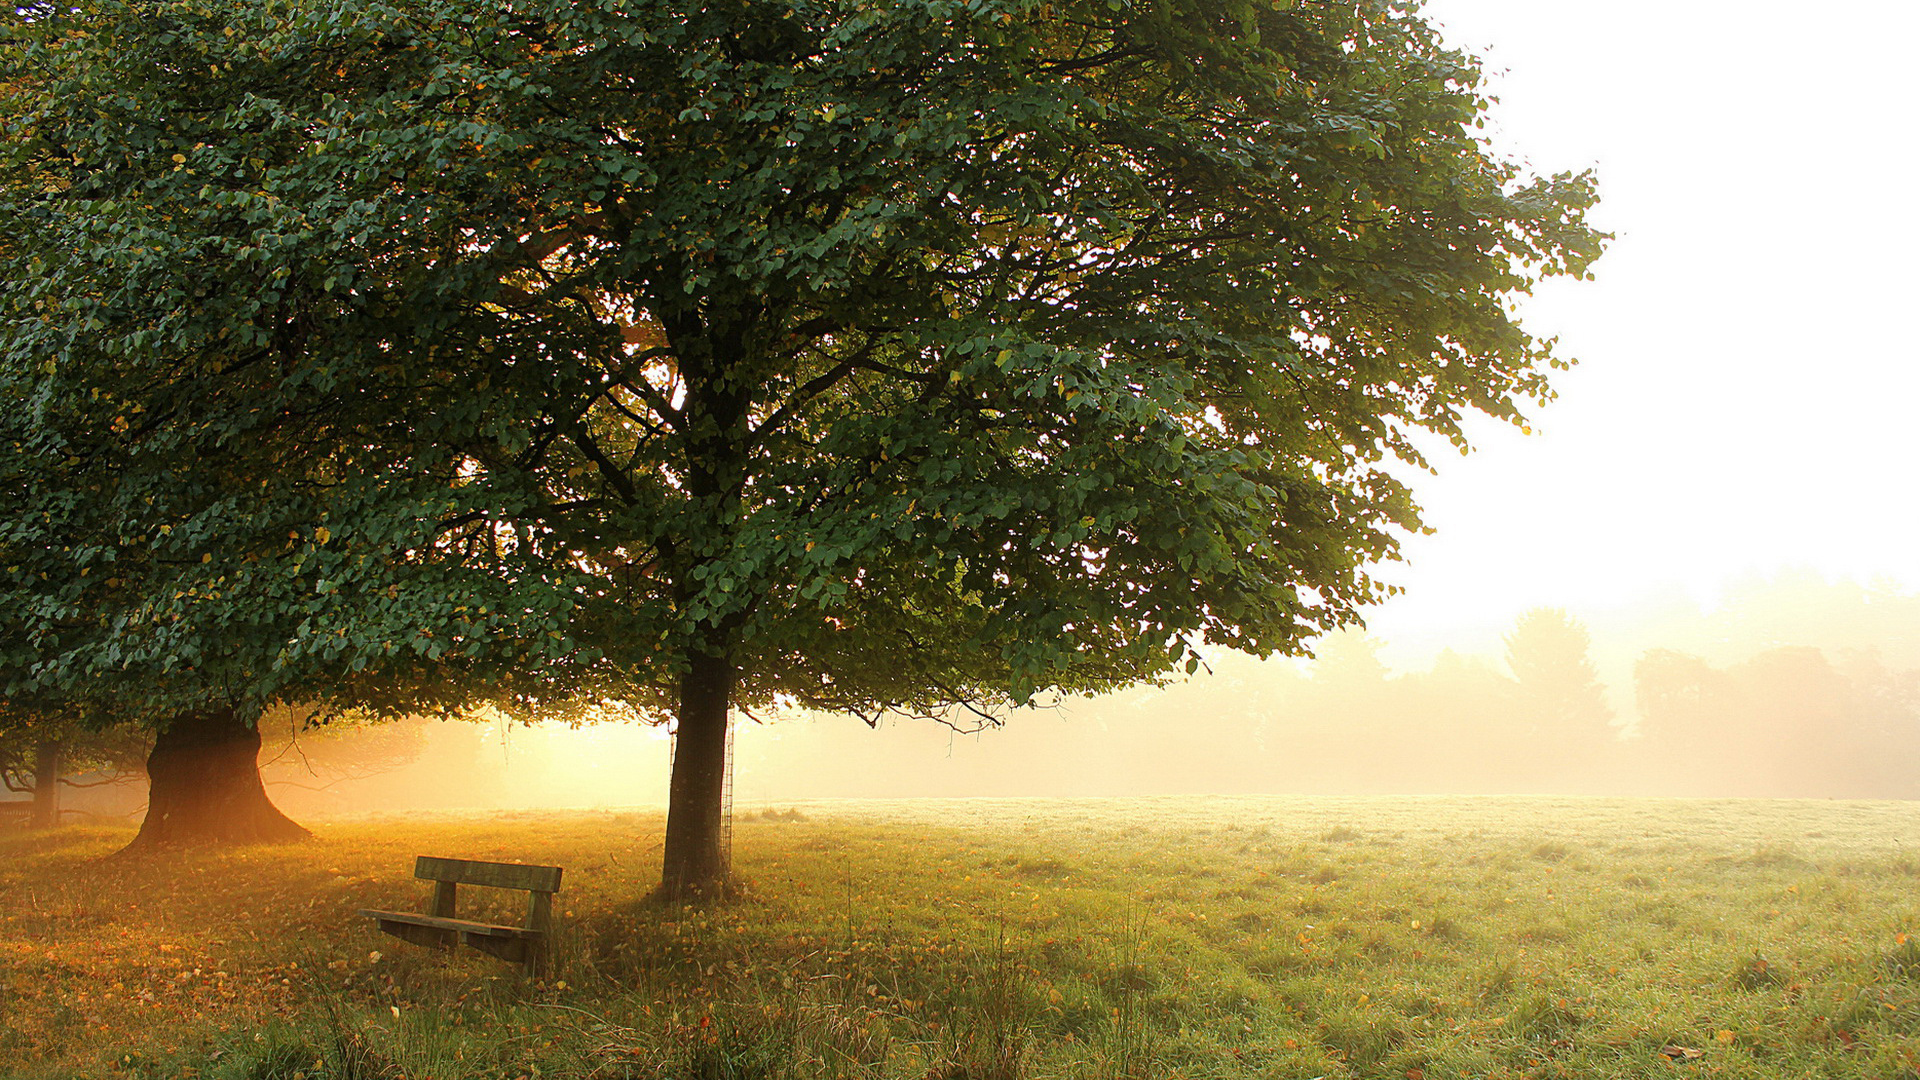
column 610, row 473
column 809, row 390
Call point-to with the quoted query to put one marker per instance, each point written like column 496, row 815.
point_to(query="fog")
column 1792, row 685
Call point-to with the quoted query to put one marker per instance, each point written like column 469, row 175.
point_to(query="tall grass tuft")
column 1128, row 1051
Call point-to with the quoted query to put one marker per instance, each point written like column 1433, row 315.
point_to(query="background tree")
column 199, row 519
column 1568, row 730
column 1548, row 653
column 43, row 758
column 907, row 358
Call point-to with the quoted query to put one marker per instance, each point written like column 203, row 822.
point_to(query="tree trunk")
column 47, row 755
column 206, row 790
column 695, row 860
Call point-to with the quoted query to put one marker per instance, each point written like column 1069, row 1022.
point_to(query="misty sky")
column 1746, row 393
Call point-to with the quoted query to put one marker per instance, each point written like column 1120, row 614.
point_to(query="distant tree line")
column 1748, row 708
column 1792, row 721
column 1791, row 687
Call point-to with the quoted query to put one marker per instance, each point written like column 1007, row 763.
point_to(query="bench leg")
column 540, row 918
column 530, row 954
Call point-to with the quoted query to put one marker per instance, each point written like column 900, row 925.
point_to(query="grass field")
column 991, row 940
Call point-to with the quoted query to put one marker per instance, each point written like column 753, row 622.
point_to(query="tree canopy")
column 908, row 356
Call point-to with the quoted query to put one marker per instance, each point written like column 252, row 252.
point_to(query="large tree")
column 920, row 356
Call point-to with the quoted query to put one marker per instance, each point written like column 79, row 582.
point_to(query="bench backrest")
column 538, row 879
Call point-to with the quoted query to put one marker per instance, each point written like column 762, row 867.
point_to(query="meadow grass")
column 1402, row 938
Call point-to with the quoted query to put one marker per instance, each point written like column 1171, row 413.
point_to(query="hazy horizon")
column 1371, row 715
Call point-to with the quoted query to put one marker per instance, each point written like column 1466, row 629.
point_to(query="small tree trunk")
column 206, row 790
column 47, row 755
column 695, row 864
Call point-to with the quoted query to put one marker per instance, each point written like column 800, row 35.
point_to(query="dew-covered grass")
column 999, row 939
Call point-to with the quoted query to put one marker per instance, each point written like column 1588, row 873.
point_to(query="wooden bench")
column 525, row 945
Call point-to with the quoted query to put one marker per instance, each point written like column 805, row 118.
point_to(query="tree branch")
column 807, row 391
column 611, row 474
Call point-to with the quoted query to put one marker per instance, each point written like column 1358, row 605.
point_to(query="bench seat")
column 464, row 926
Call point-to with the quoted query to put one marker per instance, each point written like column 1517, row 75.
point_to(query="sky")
column 1746, row 389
